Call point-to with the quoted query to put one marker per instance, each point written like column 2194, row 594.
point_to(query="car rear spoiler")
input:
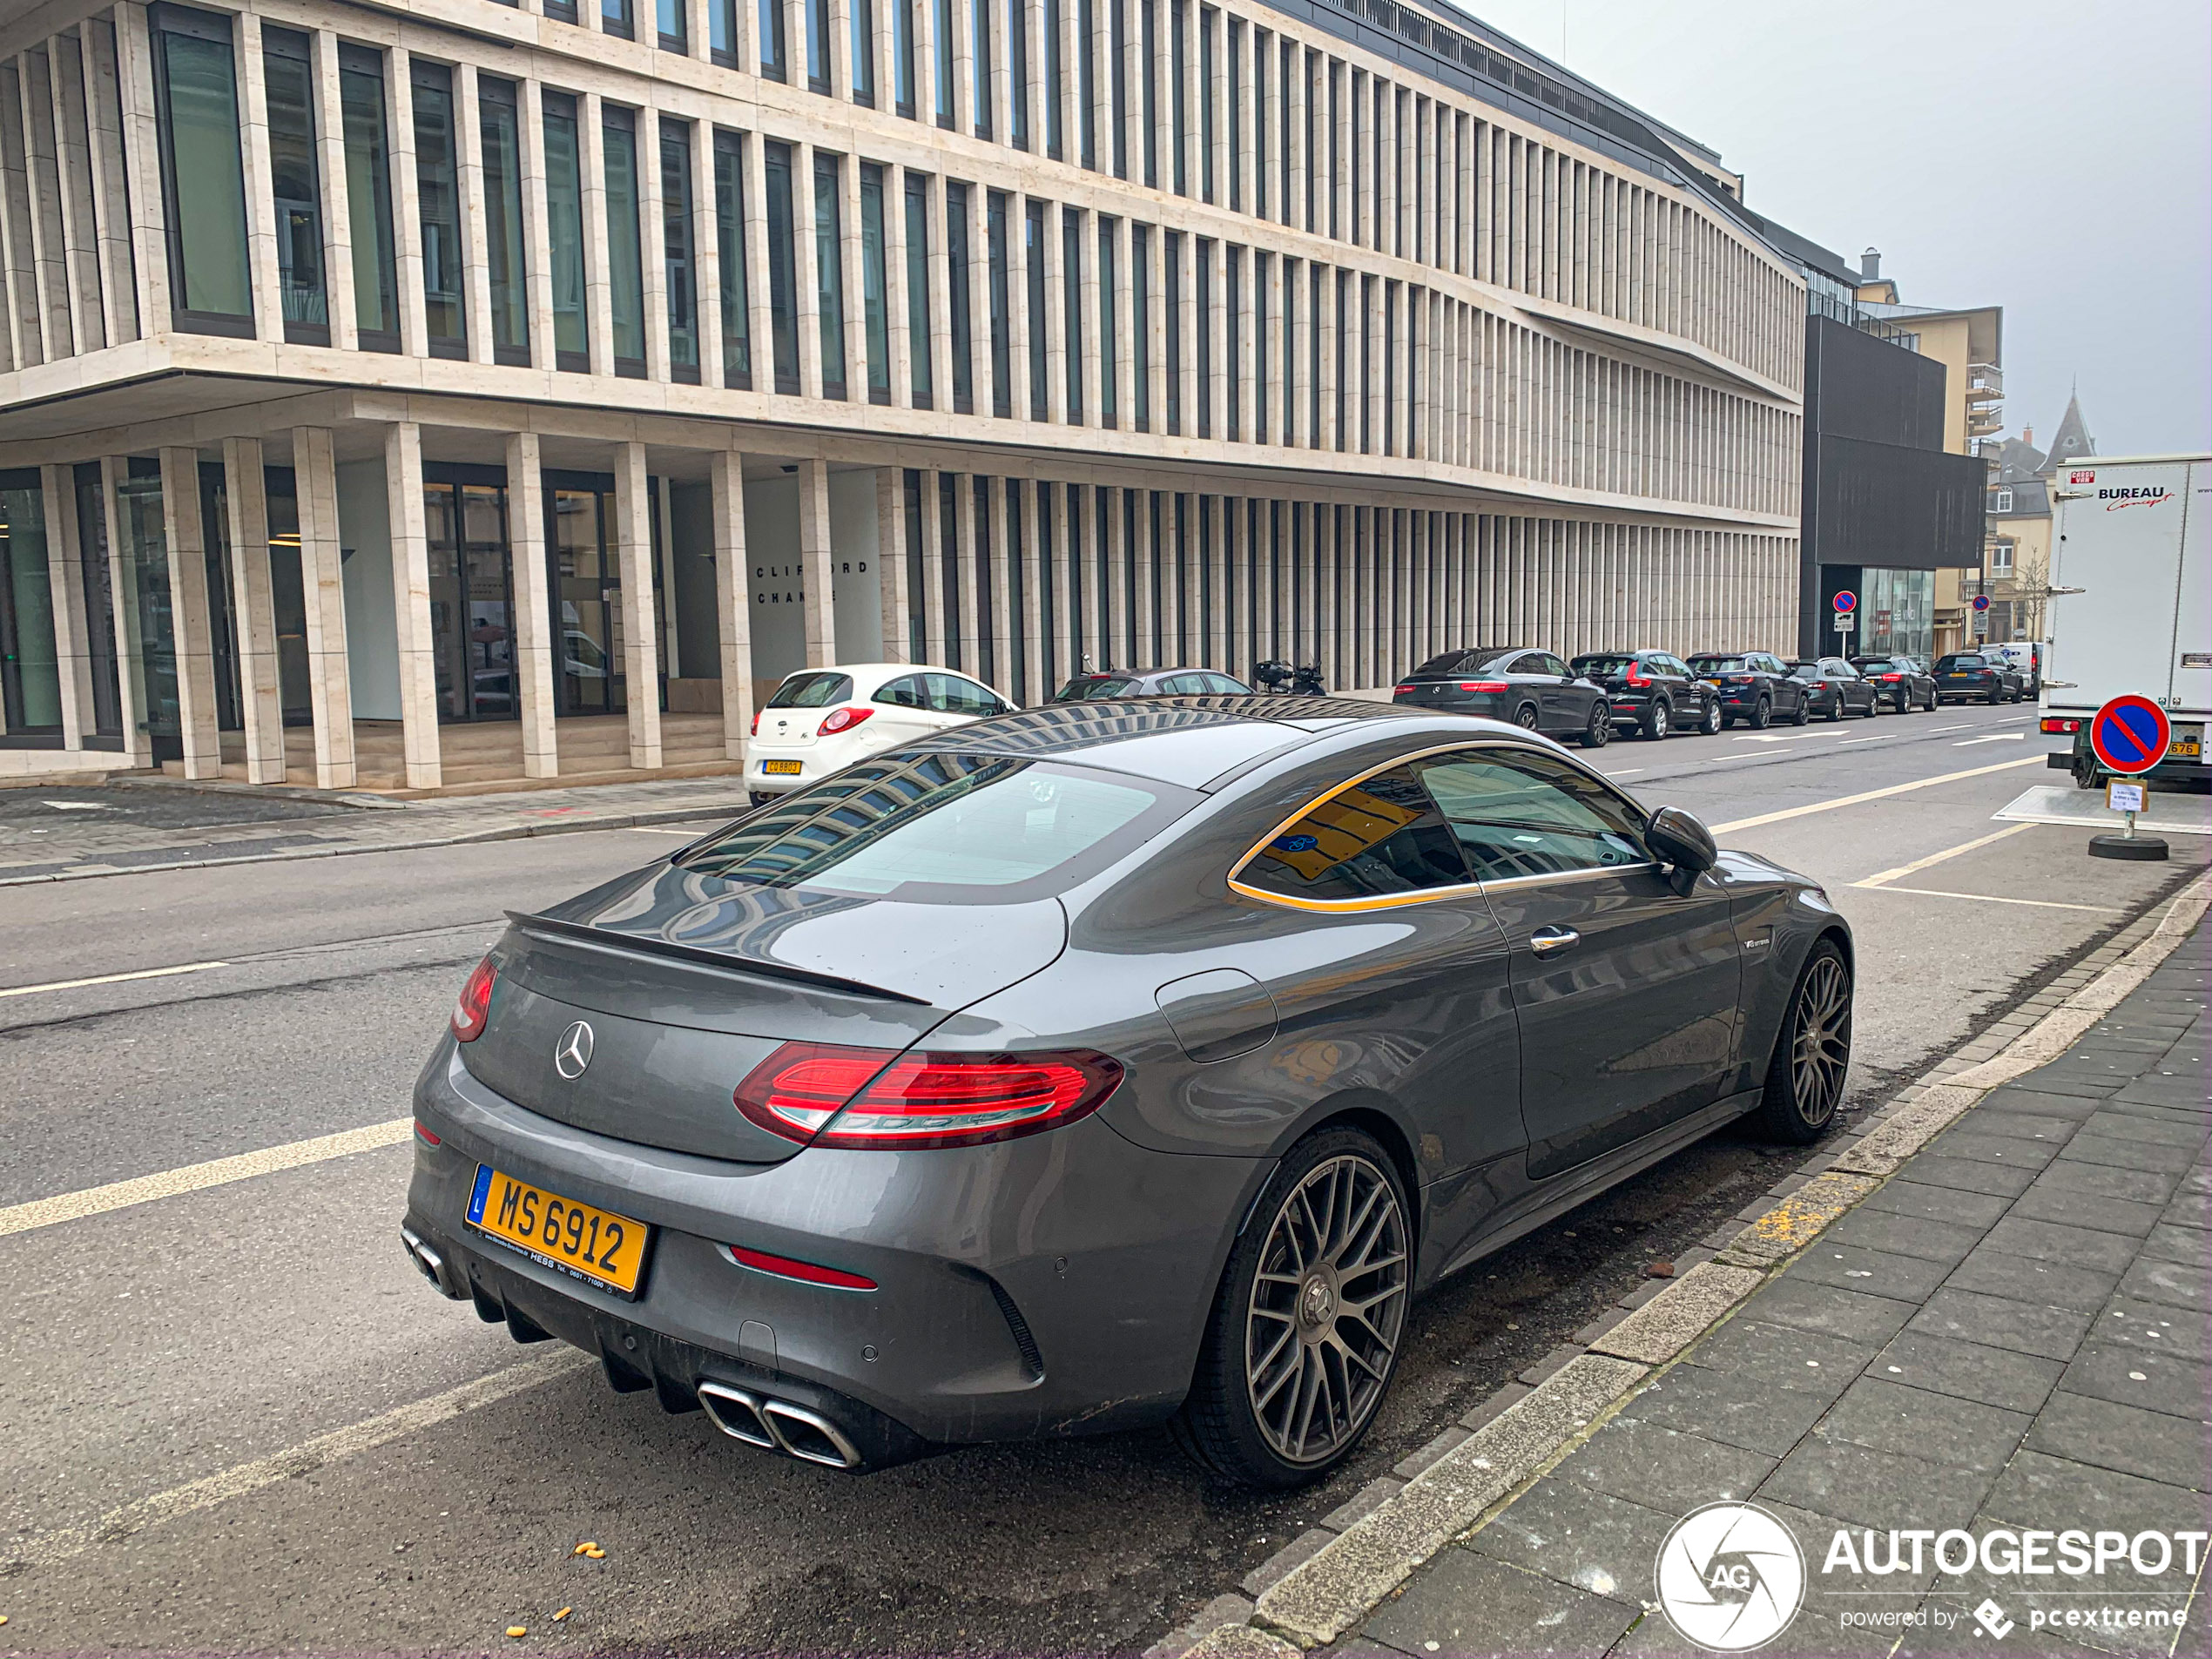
column 646, row 945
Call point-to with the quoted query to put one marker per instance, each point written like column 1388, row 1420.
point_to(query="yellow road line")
column 194, row 1178
column 303, row 1459
column 110, row 979
column 1885, row 877
column 1874, row 794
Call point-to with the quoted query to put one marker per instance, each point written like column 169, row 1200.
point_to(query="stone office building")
column 410, row 396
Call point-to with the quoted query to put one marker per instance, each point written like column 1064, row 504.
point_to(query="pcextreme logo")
column 1730, row 1577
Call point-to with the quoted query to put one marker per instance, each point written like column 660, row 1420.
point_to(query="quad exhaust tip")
column 777, row 1425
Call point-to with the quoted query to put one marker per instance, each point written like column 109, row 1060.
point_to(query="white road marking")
column 1936, row 730
column 1630, row 773
column 303, row 1459
column 1872, row 794
column 654, row 829
column 110, row 979
column 1779, row 737
column 1997, row 737
column 76, row 806
column 1885, row 877
column 193, row 1177
column 1991, row 898
column 1879, row 737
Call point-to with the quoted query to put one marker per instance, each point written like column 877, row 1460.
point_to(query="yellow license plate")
column 2190, row 747
column 782, row 768
column 594, row 1244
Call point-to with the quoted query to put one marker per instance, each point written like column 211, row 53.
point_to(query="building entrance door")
column 472, row 596
column 583, row 572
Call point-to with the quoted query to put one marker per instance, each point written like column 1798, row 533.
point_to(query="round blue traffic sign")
column 2129, row 734
column 1981, row 602
column 1845, row 600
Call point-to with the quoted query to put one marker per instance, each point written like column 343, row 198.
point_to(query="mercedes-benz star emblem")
column 573, row 1052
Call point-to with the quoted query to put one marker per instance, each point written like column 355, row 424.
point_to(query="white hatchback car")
column 821, row 720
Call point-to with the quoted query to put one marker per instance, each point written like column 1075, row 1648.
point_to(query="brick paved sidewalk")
column 2011, row 1332
column 307, row 825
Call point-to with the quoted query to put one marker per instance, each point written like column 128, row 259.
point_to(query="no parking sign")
column 2129, row 734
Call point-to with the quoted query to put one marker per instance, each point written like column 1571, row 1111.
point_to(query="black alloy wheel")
column 1804, row 1080
column 1306, row 1327
column 1996, row 696
column 1599, row 732
column 1525, row 716
column 1658, row 720
column 1805, row 711
column 1762, row 714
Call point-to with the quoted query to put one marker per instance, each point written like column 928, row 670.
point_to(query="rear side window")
column 908, row 692
column 1096, row 685
column 943, row 828
column 1382, row 837
column 1952, row 662
column 950, row 694
column 1598, row 667
column 813, row 691
column 1525, row 815
column 1451, row 662
column 1720, row 665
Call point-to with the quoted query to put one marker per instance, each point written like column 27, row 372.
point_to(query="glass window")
column 368, row 197
column 1087, row 80
column 1204, row 342
column 1017, row 70
column 1071, row 305
column 510, row 326
column 783, row 275
column 1140, row 348
column 1235, row 40
column 565, row 233
column 902, row 56
column 814, row 690
column 829, row 273
column 1002, row 304
column 1380, row 837
column 1205, row 103
column 957, row 257
column 945, row 90
column 437, row 190
column 818, row 45
column 874, row 283
column 863, row 27
column 908, row 692
column 1178, row 95
column 1174, row 305
column 775, row 50
column 979, row 23
column 918, row 289
column 675, row 32
column 729, row 243
column 625, row 253
column 941, row 827
column 30, row 681
column 1032, row 255
column 1055, row 70
column 201, row 172
column 1117, row 77
column 722, row 31
column 952, row 694
column 679, row 257
column 615, row 18
column 296, row 185
column 1523, row 815
column 1109, row 288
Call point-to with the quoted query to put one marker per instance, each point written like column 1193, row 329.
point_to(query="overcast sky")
column 2054, row 158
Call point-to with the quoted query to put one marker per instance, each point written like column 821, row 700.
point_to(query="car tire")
column 1712, row 722
column 757, row 797
column 1525, row 716
column 1996, row 696
column 1599, row 732
column 1658, row 720
column 1873, row 706
column 1804, row 713
column 1288, row 1334
column 2087, row 774
column 1835, row 709
column 1762, row 714
column 1805, row 1080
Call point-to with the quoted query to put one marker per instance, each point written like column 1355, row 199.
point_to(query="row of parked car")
column 1656, row 693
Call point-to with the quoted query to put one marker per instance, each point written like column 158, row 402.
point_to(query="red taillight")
column 1483, row 686
column 1892, row 679
column 1636, row 674
column 2060, row 724
column 821, row 1093
column 756, row 722
column 426, row 1135
column 474, row 1006
column 807, row 1272
column 842, row 720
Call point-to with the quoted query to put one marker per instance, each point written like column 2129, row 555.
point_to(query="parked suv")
column 1833, row 687
column 1978, row 675
column 1531, row 688
column 1755, row 687
column 1652, row 690
column 1899, row 681
column 2024, row 657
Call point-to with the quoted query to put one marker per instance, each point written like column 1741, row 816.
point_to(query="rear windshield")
column 943, row 829
column 1096, row 685
column 1865, row 662
column 1718, row 665
column 1966, row 661
column 1599, row 665
column 1452, row 662
column 812, row 691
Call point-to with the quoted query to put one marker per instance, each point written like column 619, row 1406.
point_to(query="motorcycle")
column 1281, row 677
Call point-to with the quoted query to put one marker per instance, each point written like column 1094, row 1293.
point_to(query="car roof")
column 1190, row 741
column 867, row 677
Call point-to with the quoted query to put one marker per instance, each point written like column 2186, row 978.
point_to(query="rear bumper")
column 1055, row 1284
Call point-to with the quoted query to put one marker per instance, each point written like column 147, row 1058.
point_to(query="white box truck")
column 2131, row 608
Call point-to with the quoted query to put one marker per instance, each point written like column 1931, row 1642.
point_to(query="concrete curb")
column 498, row 832
column 1317, row 1590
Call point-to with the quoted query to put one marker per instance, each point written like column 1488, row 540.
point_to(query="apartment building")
column 414, row 396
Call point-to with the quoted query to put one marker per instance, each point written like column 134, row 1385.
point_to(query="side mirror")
column 1682, row 841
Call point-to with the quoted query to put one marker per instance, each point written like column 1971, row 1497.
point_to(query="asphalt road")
column 236, row 1420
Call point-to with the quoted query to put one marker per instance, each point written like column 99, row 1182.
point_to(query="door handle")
column 1548, row 942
